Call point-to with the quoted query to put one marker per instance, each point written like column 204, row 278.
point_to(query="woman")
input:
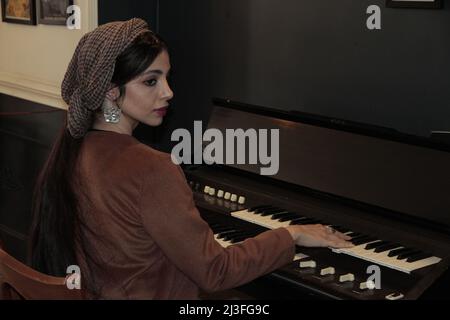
column 122, row 211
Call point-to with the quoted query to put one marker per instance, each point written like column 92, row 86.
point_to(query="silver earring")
column 111, row 112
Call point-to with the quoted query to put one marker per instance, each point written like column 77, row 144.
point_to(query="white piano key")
column 247, row 216
column 226, row 244
column 264, row 221
column 222, row 242
column 383, row 259
column 380, row 258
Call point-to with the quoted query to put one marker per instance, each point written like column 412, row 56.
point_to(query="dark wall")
column 312, row 56
column 186, row 26
column 25, row 142
column 119, row 10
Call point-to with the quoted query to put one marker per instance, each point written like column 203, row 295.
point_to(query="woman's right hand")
column 317, row 235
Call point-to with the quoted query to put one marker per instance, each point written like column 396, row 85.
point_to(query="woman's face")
column 146, row 98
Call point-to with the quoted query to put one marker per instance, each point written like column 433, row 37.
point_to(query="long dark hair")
column 56, row 240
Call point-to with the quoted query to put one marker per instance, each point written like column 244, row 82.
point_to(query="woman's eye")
column 151, row 82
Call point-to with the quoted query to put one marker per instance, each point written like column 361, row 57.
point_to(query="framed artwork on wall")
column 19, row 11
column 53, row 11
column 424, row 4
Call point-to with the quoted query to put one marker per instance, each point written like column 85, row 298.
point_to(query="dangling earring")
column 111, row 111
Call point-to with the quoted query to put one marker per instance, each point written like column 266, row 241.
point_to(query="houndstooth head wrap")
column 91, row 69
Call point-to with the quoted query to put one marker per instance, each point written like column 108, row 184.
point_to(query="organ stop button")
column 327, row 271
column 349, row 277
column 395, row 296
column 307, row 264
column 368, row 285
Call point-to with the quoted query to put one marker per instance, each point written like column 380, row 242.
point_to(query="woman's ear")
column 113, row 94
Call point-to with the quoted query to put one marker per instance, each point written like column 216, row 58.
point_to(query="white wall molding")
column 32, row 89
column 32, row 66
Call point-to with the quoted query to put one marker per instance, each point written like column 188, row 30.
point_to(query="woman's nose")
column 168, row 93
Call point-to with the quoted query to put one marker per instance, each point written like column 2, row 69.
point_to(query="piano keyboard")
column 388, row 254
column 228, row 236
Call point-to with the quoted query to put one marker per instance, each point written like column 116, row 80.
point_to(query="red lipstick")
column 161, row 111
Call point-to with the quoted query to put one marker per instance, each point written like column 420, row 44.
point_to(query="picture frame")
column 53, row 12
column 19, row 11
column 418, row 4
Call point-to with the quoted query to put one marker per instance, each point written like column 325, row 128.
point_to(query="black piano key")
column 223, row 234
column 278, row 216
column 259, row 208
column 354, row 234
column 214, row 224
column 363, row 240
column 233, row 235
column 219, row 229
column 272, row 211
column 418, row 256
column 299, row 220
column 408, row 254
column 304, row 221
column 374, row 245
column 288, row 218
column 387, row 247
column 396, row 252
column 359, row 236
column 243, row 236
column 235, row 232
column 239, row 239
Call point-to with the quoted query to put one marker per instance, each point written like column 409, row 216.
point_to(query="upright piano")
column 389, row 191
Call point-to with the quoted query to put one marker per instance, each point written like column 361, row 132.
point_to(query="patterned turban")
column 89, row 75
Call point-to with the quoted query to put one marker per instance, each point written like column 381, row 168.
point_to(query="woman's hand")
column 317, row 235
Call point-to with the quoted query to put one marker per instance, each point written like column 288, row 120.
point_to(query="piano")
column 387, row 190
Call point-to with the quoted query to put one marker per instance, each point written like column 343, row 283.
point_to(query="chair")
column 18, row 281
